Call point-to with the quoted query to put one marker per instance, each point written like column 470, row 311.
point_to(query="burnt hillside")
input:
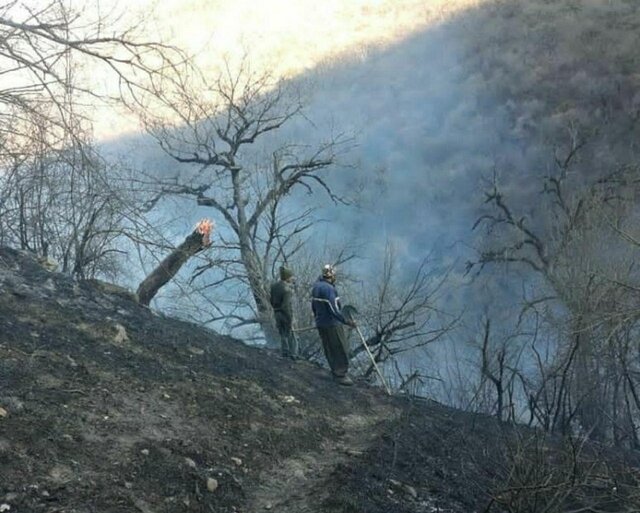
column 107, row 407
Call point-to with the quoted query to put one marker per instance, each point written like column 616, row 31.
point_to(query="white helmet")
column 328, row 271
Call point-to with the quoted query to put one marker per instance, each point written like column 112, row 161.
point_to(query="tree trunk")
column 168, row 268
column 260, row 295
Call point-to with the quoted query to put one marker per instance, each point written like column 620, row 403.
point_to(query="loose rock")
column 212, row 484
column 411, row 491
column 121, row 337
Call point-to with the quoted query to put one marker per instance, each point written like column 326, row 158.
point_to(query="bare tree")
column 403, row 313
column 58, row 197
column 499, row 363
column 212, row 130
column 58, row 203
column 569, row 246
column 40, row 44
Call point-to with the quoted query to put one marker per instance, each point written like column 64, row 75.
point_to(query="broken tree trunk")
column 168, row 268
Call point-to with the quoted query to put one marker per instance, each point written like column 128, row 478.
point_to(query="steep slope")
column 109, row 408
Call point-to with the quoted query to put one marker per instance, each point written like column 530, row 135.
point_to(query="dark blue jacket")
column 325, row 304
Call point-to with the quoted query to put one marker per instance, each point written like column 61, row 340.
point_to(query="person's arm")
column 313, row 302
column 334, row 306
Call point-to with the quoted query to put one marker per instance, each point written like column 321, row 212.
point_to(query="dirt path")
column 299, row 484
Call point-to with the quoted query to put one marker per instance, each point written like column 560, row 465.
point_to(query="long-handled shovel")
column 348, row 311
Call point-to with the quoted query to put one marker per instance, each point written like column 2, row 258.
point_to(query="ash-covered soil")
column 107, row 407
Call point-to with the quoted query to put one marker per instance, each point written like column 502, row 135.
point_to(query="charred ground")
column 108, row 407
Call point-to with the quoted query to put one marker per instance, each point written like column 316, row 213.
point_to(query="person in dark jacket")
column 281, row 301
column 329, row 320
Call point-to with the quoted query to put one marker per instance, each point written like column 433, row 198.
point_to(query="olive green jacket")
column 281, row 298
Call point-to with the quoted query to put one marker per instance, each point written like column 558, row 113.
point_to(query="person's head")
column 286, row 274
column 329, row 273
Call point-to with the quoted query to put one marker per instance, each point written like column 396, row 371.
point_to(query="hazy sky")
column 285, row 36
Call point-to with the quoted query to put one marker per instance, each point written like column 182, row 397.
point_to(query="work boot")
column 344, row 381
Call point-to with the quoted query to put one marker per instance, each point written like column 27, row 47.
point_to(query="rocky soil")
column 108, row 407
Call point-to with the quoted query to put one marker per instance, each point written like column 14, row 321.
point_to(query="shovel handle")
column 373, row 360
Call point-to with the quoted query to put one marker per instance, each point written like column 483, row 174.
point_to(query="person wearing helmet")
column 281, row 301
column 329, row 321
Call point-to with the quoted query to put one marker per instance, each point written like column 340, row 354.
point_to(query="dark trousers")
column 288, row 341
column 335, row 348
